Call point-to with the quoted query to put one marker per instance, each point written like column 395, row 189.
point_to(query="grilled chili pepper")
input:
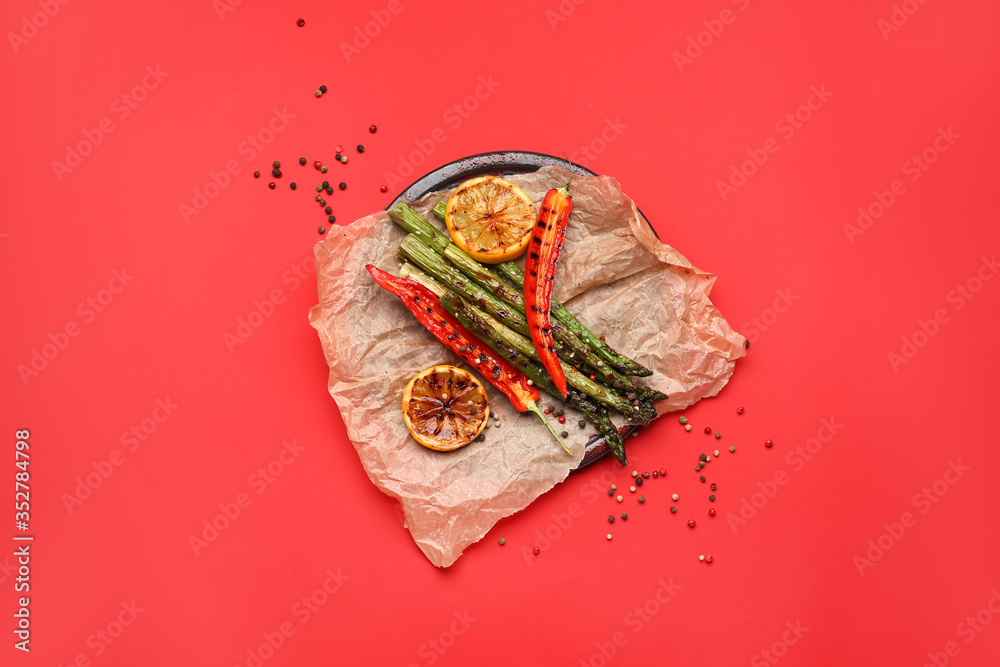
column 424, row 305
column 540, row 271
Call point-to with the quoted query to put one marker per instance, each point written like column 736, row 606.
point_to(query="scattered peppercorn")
column 732, row 448
column 702, row 457
column 712, row 497
column 638, row 481
column 582, row 423
column 276, row 173
column 645, row 475
column 384, row 189
column 322, row 202
column 302, row 161
column 675, row 497
column 609, row 536
column 292, row 185
column 547, row 411
column 711, row 511
column 673, row 510
column 611, row 492
column 342, row 185
column 328, row 210
column 739, row 411
column 619, row 499
column 708, row 557
column 611, row 518
column 322, row 230
column 319, row 93
column 562, row 419
column 655, row 474
column 614, row 486
column 632, row 489
column 271, row 185
column 702, row 478
column 276, row 164
column 502, row 541
column 642, row 499
column 716, row 453
column 624, row 517
column 635, row 473
column 714, row 486
column 663, row 472
column 343, row 158
column 372, row 129
column 361, row 149
column 708, row 429
column 687, row 427
column 300, row 22
column 256, row 174
column 323, row 168
column 698, row 467
column 322, row 89
column 329, row 190
column 768, row 444
column 317, row 164
column 718, row 436
column 564, row 434
column 690, row 523
column 683, row 420
column 536, row 551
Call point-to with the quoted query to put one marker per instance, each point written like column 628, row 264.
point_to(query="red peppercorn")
column 339, row 149
column 536, row 550
column 690, row 523
column 593, row 378
column 768, row 444
column 300, row 22
column 317, row 164
column 547, row 411
column 708, row 429
column 562, row 419
column 602, row 339
column 711, row 511
column 663, row 472
column 384, row 189
column 372, row 128
column 708, row 558
column 271, row 185
column 739, row 411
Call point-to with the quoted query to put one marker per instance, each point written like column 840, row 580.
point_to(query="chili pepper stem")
column 532, row 407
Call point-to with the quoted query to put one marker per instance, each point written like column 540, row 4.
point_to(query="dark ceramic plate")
column 503, row 163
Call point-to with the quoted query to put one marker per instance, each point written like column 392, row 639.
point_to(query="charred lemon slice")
column 445, row 408
column 491, row 219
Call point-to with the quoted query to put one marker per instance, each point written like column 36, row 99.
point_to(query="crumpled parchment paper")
column 614, row 275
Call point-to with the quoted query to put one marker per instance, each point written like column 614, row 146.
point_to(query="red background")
column 680, row 132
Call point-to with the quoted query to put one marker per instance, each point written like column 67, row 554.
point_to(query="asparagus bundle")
column 493, row 309
column 590, row 354
column 516, row 324
column 513, row 272
column 510, row 346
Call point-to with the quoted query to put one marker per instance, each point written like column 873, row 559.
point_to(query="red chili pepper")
column 424, row 305
column 540, row 271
